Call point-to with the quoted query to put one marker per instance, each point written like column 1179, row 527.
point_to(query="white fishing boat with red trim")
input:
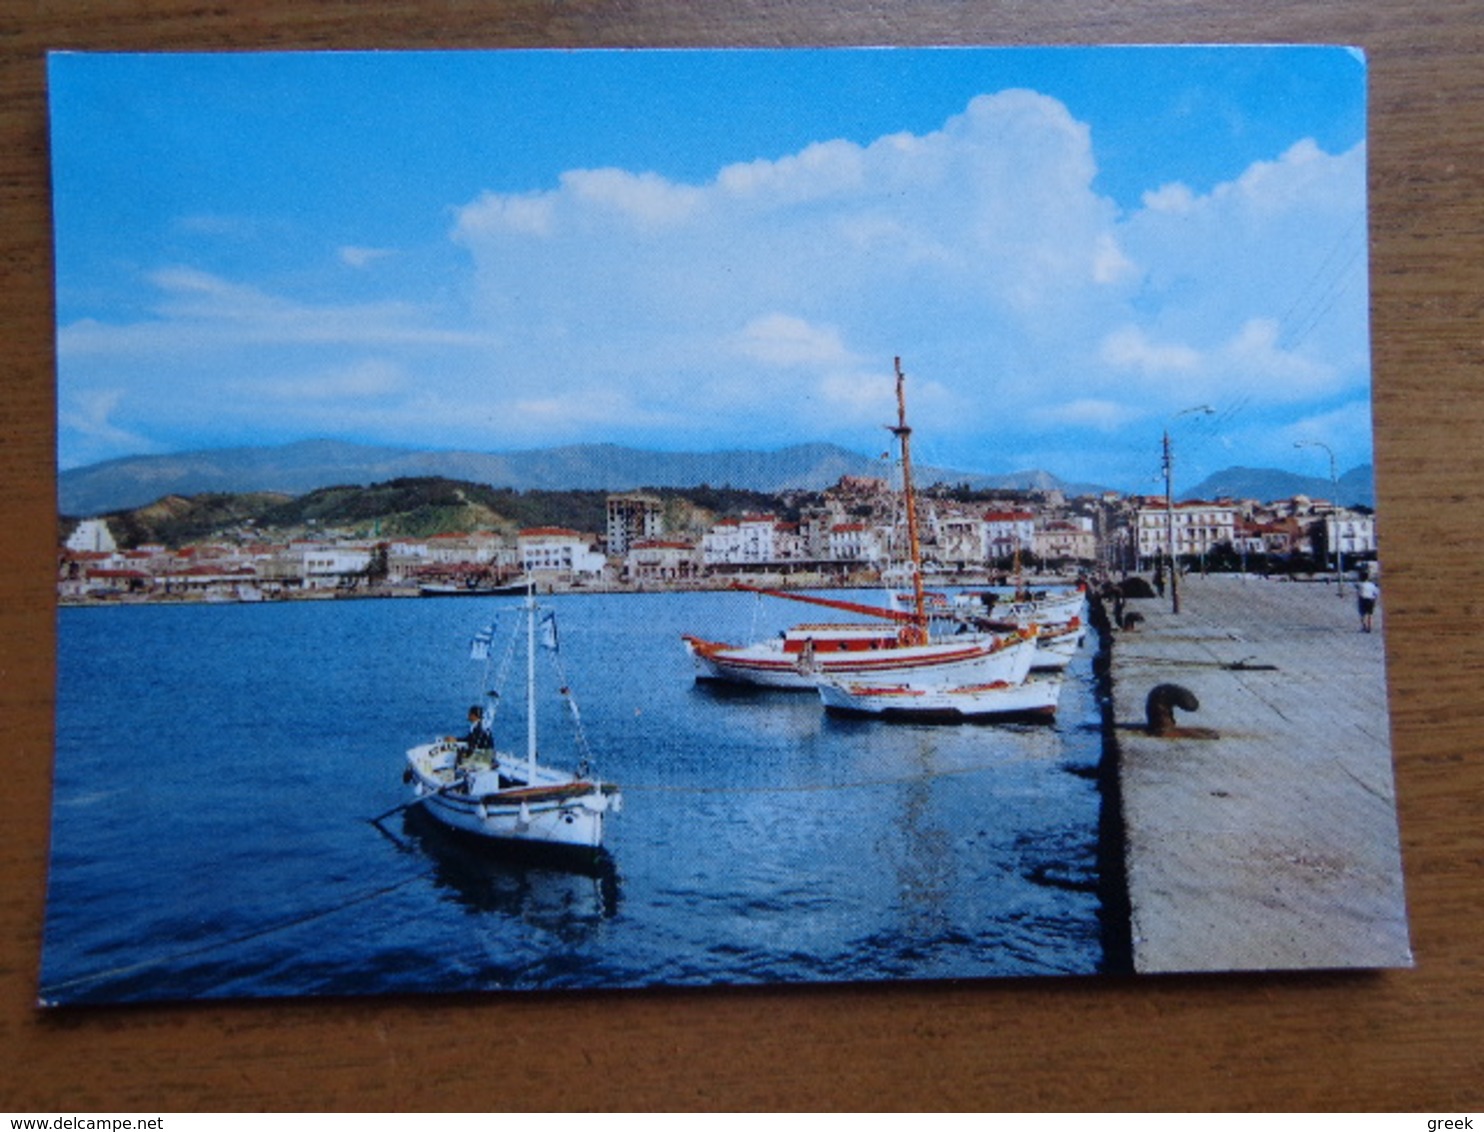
column 799, row 656
column 951, row 702
column 1056, row 645
column 508, row 797
column 1022, row 608
column 903, row 648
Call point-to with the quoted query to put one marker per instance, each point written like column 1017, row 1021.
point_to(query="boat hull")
column 1030, row 699
column 968, row 659
column 556, row 809
column 1056, row 646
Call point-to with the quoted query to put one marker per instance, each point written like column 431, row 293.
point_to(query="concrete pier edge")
column 1113, row 911
column 1264, row 835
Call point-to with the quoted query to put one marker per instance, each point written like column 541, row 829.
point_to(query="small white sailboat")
column 471, row 786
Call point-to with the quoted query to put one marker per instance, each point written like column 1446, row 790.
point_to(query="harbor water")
column 218, row 767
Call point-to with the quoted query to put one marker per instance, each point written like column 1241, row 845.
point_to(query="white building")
column 1067, row 539
column 658, row 560
column 750, row 540
column 1198, row 528
column 960, row 540
column 326, row 567
column 556, row 550
column 856, row 542
column 92, row 536
column 1352, row 533
column 1007, row 533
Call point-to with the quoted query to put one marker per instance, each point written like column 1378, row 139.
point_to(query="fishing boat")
column 950, row 702
column 904, row 648
column 1023, row 608
column 473, row 587
column 1057, row 620
column 1056, row 645
column 800, row 655
column 507, row 797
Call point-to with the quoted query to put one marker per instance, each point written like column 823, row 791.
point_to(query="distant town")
column 850, row 534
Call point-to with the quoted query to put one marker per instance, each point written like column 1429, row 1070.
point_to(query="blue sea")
column 218, row 768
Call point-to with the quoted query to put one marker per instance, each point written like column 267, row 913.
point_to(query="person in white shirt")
column 1367, row 594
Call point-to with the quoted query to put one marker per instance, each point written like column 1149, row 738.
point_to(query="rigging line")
column 503, row 673
column 217, row 945
column 583, row 746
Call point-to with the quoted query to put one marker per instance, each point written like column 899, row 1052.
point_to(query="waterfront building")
column 632, row 519
column 747, row 541
column 1008, row 533
column 857, row 542
column 1352, row 533
column 658, row 560
column 460, row 547
column 1199, row 528
column 557, row 550
column 960, row 541
column 330, row 567
column 1067, row 540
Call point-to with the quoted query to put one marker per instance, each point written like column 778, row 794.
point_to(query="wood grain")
column 1394, row 1041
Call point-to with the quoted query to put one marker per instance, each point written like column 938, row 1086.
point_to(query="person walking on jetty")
column 1367, row 594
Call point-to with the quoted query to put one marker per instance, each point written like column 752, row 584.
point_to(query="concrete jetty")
column 1265, row 835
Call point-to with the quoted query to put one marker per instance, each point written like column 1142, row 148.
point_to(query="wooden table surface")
column 1408, row 1040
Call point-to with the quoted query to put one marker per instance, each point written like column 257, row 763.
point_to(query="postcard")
column 541, row 520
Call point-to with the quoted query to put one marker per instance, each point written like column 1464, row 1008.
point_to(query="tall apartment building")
column 633, row 519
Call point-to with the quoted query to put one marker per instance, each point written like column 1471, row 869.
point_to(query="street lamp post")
column 1334, row 505
column 1169, row 469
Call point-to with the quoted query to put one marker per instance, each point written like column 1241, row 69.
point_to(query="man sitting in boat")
column 479, row 737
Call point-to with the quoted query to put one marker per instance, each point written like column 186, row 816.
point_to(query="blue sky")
column 695, row 250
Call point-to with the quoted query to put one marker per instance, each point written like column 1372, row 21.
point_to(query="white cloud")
column 86, row 416
column 369, row 378
column 359, row 257
column 763, row 305
column 1100, row 415
column 1173, row 198
column 1130, row 348
column 784, row 340
column 198, row 311
column 645, row 199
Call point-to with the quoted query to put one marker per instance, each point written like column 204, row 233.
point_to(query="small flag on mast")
column 480, row 648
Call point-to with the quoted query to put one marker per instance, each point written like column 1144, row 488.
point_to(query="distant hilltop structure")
column 92, row 536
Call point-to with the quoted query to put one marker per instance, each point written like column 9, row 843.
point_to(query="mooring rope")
column 217, row 945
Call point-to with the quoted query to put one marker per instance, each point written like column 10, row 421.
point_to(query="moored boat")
column 505, row 797
column 946, row 702
column 472, row 587
column 903, row 647
column 800, row 655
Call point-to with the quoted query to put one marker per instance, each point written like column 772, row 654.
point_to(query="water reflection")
column 564, row 893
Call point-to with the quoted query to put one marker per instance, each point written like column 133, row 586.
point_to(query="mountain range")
column 1356, row 487
column 297, row 468
column 133, row 481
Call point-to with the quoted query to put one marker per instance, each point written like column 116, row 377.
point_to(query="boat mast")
column 914, row 545
column 531, row 683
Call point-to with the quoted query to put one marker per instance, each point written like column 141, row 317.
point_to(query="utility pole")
column 1169, row 466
